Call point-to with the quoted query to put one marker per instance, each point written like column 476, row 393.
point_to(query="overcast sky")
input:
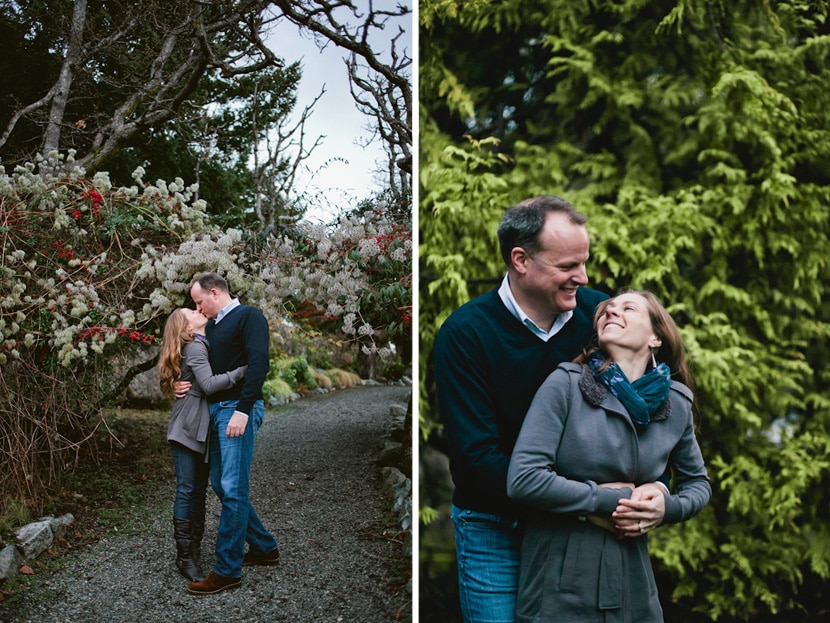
column 336, row 117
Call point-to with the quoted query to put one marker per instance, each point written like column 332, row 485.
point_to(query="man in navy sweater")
column 238, row 335
column 491, row 355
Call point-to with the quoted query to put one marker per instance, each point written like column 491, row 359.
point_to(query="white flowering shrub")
column 90, row 271
column 79, row 296
column 355, row 278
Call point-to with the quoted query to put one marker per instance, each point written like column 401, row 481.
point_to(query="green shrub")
column 15, row 514
column 276, row 388
column 294, row 371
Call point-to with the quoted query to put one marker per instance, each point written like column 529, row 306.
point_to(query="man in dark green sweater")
column 491, row 355
column 238, row 335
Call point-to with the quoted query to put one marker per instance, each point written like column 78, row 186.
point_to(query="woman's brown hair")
column 176, row 335
column 671, row 351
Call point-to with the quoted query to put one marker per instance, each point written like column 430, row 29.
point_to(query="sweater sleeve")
column 256, row 338
column 465, row 401
column 209, row 383
column 532, row 477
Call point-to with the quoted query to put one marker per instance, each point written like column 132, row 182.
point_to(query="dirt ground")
column 315, row 483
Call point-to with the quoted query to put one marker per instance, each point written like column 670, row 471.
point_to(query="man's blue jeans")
column 191, row 481
column 230, row 471
column 487, row 548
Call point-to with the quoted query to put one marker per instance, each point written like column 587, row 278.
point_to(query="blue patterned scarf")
column 642, row 397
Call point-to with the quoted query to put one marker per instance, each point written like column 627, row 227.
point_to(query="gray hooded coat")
column 190, row 420
column 578, row 434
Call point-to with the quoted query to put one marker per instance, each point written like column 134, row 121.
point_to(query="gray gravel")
column 314, row 484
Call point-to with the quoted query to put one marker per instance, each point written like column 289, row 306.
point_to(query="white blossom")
column 101, row 181
column 77, row 307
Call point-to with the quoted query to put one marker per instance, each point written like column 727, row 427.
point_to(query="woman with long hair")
column 184, row 357
column 599, row 436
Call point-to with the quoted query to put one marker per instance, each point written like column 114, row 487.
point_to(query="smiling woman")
column 600, row 442
column 643, row 310
column 625, row 332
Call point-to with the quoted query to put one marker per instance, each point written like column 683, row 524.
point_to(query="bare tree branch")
column 164, row 93
column 274, row 183
column 381, row 89
column 162, row 51
column 26, row 110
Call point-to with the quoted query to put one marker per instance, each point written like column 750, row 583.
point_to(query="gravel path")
column 314, row 483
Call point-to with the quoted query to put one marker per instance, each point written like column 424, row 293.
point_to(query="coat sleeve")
column 532, row 477
column 197, row 355
column 690, row 476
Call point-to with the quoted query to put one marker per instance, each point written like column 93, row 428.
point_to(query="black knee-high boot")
column 184, row 558
column 197, row 531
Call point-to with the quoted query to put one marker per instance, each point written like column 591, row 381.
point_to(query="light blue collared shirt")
column 506, row 295
column 226, row 310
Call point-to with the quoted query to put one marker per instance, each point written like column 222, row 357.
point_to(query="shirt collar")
column 226, row 310
column 506, row 295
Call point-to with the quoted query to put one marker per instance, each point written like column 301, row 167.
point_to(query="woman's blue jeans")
column 487, row 548
column 191, row 481
column 230, row 472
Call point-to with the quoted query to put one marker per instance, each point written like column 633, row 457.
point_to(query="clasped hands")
column 238, row 421
column 637, row 515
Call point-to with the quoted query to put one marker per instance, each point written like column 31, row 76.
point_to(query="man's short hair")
column 522, row 223
column 208, row 281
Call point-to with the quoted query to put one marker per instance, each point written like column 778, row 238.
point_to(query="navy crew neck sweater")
column 242, row 338
column 488, row 366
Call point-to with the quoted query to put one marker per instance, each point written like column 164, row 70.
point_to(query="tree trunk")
column 52, row 136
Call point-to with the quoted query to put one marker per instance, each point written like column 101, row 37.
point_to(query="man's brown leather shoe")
column 213, row 584
column 269, row 559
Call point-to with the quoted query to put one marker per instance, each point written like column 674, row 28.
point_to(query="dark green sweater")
column 488, row 366
column 242, row 338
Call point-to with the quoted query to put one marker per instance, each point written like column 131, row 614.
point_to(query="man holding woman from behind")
column 491, row 356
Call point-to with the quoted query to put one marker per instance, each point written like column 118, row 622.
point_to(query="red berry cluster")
column 135, row 336
column 96, row 198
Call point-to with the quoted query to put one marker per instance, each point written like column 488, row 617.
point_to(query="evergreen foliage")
column 696, row 136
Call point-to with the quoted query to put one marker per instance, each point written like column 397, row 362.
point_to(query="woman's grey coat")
column 578, row 434
column 190, row 420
